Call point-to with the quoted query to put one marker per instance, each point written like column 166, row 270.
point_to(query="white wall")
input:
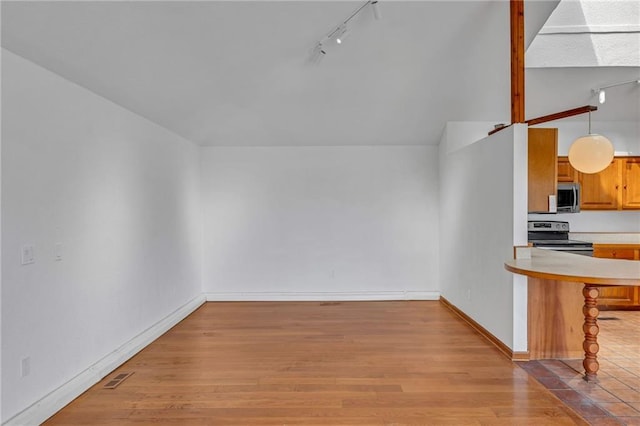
column 597, row 221
column 1, row 417
column 323, row 223
column 458, row 134
column 482, row 216
column 624, row 135
column 122, row 197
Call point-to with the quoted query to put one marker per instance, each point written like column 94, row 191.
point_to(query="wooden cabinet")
column 618, row 297
column 543, row 169
column 615, row 188
column 554, row 318
column 617, row 251
column 630, row 170
column 566, row 172
column 600, row 191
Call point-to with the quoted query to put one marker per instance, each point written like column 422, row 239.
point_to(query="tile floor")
column 615, row 399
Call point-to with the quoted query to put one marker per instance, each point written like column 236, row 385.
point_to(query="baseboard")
column 47, row 406
column 320, row 296
column 521, row 356
column 506, row 350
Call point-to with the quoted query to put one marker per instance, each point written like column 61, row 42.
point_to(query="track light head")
column 376, row 9
column 317, row 54
column 601, row 96
column 341, row 34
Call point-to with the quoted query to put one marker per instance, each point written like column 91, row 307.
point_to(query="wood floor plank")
column 319, row 363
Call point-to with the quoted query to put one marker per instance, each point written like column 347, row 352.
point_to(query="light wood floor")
column 347, row 363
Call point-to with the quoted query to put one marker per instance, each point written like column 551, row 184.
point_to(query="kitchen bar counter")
column 560, row 266
column 546, row 266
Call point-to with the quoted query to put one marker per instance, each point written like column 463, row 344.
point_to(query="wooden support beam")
column 497, row 129
column 517, row 61
column 563, row 114
column 551, row 117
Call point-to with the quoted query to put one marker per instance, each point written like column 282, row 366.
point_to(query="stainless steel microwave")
column 568, row 199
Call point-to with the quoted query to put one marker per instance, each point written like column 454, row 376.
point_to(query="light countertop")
column 561, row 266
column 606, row 237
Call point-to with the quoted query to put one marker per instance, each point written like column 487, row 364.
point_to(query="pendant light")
column 591, row 153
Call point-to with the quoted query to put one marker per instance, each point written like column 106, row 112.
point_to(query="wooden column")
column 591, row 329
column 517, row 61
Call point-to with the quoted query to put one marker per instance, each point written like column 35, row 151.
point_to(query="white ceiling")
column 237, row 72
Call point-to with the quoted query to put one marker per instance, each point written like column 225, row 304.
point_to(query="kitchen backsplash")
column 597, row 221
column 607, row 237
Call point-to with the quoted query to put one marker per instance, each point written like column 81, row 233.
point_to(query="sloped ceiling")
column 589, row 34
column 237, row 72
column 586, row 45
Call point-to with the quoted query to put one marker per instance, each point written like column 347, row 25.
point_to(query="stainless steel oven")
column 554, row 235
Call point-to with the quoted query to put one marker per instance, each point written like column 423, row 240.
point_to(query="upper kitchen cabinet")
column 600, row 190
column 615, row 188
column 566, row 172
column 631, row 183
column 543, row 168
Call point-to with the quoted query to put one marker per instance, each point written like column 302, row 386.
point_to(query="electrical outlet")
column 25, row 366
column 28, row 255
column 469, row 294
column 57, row 252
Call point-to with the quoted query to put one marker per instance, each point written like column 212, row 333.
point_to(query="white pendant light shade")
column 591, row 153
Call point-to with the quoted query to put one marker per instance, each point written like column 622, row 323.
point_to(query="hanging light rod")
column 341, row 30
column 617, row 84
column 602, row 94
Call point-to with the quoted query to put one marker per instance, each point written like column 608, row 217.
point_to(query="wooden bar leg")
column 591, row 329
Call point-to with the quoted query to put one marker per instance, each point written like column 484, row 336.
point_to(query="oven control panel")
column 548, row 226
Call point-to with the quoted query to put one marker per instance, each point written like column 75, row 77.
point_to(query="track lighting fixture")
column 340, row 32
column 318, row 53
column 601, row 93
column 376, row 9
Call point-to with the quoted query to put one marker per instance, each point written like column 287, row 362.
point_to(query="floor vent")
column 117, row 380
column 608, row 319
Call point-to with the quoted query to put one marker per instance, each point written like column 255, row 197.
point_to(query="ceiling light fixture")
column 340, row 32
column 601, row 93
column 591, row 153
column 376, row 10
column 317, row 53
